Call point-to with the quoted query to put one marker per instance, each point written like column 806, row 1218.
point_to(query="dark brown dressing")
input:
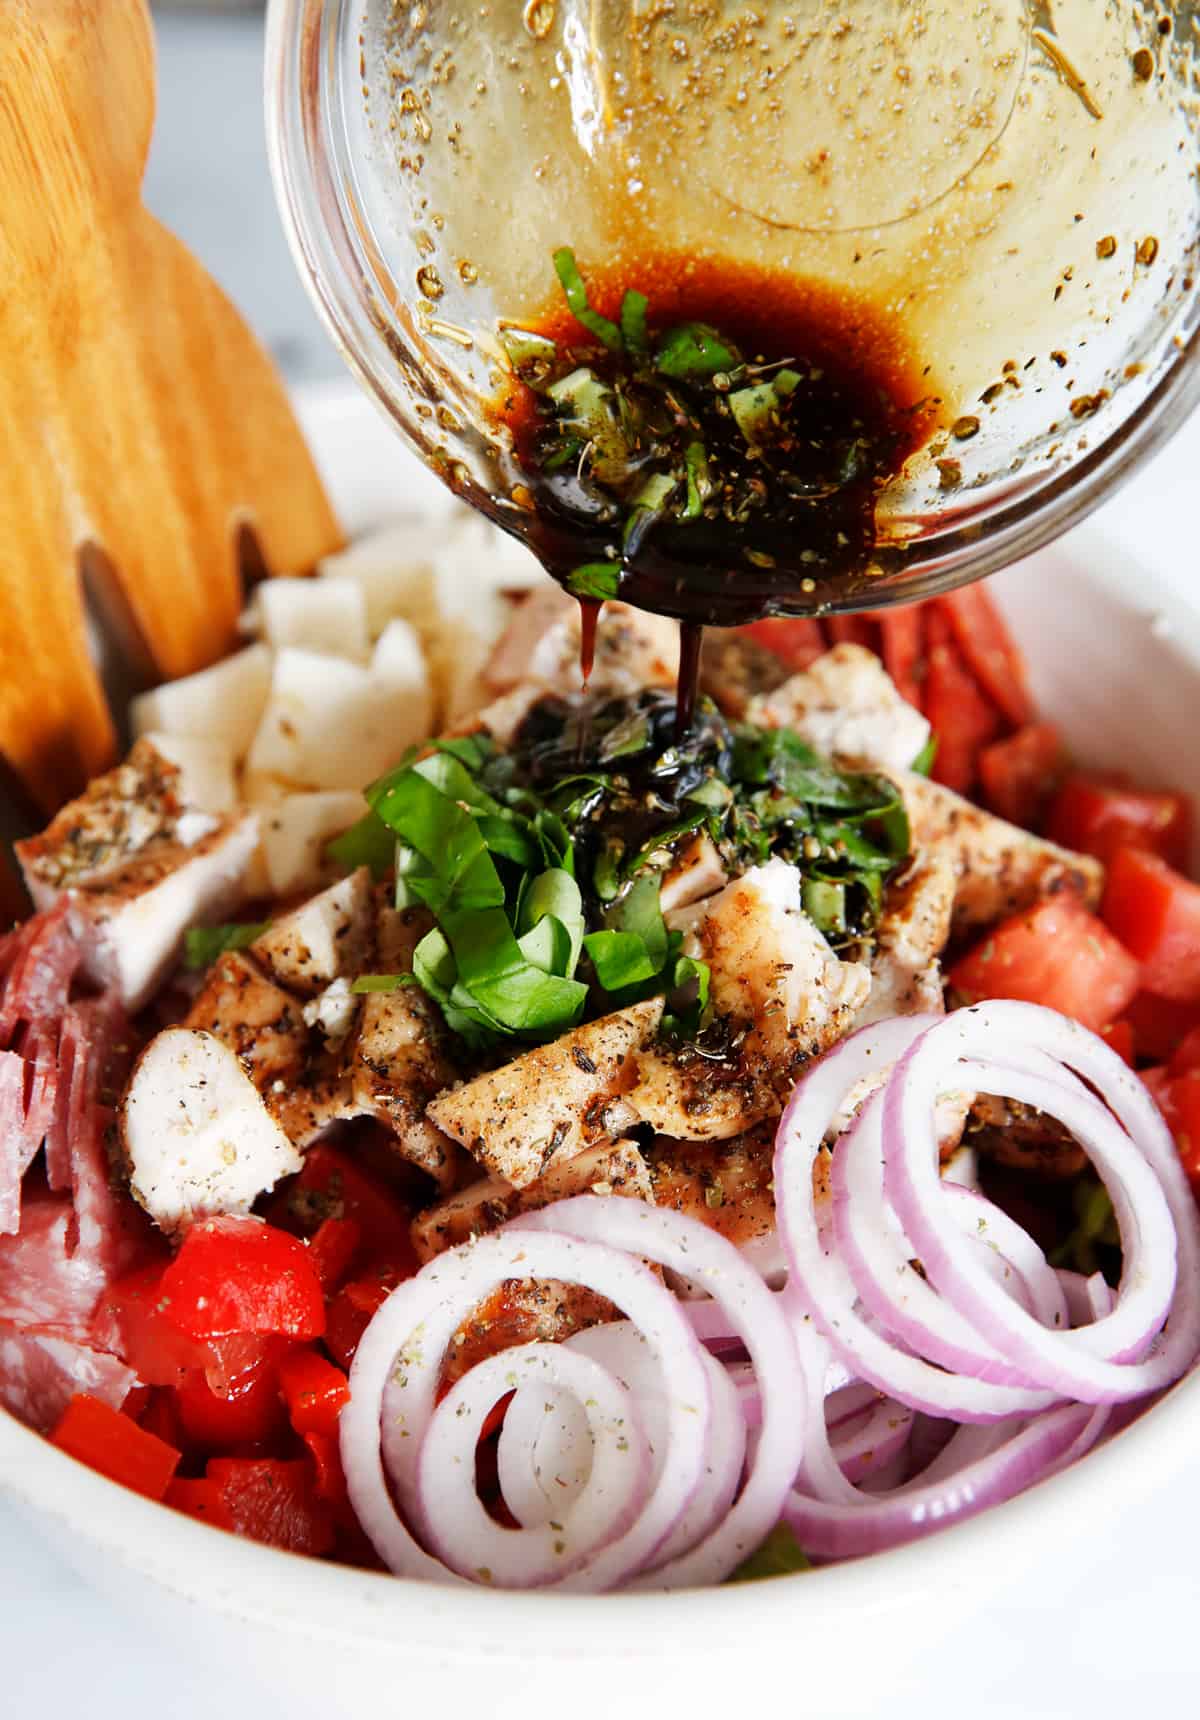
column 788, row 521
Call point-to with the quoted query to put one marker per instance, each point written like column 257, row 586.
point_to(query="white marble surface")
column 1122, row 1635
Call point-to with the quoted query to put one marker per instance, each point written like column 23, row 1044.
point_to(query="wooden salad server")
column 142, row 427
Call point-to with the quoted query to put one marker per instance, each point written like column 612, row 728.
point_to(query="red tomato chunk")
column 1102, row 814
column 1019, row 774
column 1056, row 954
column 108, row 1441
column 240, row 1275
column 273, row 1501
column 314, row 1391
column 1155, row 912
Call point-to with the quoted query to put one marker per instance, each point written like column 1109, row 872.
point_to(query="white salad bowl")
column 1114, row 655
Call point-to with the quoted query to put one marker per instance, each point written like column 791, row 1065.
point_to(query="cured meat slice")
column 40, row 1374
column 43, row 1285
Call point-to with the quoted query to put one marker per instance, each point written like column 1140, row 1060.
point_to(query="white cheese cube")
column 316, row 614
column 295, row 834
column 223, row 703
column 331, row 724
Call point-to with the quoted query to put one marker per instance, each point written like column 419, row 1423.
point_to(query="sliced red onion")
column 820, row 1290
column 714, row 1266
column 1031, row 1054
column 392, row 1415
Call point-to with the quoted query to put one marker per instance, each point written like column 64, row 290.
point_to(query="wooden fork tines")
column 138, row 415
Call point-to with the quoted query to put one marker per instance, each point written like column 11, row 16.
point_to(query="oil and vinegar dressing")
column 710, row 441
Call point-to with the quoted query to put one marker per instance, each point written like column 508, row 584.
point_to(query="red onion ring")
column 1130, row 1147
column 713, row 1265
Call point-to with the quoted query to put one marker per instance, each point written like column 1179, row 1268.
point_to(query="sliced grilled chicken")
column 778, row 990
column 913, row 930
column 329, row 937
column 553, row 1101
column 847, row 706
column 141, row 858
column 611, row 1168
column 541, row 644
column 401, row 1055
column 196, row 1135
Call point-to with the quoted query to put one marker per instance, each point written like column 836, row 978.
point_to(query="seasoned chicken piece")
column 695, row 873
column 611, row 1168
column 196, row 1135
column 541, row 643
column 847, row 706
column 727, row 1185
column 141, row 858
column 735, row 669
column 1023, row 1139
column 1000, row 868
column 913, row 929
column 523, row 1311
column 301, row 1085
column 401, row 1054
column 783, row 996
column 551, row 1102
column 329, row 937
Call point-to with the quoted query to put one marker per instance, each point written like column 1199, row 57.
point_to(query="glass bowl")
column 1001, row 201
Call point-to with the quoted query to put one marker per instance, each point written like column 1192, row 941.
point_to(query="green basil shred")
column 203, row 944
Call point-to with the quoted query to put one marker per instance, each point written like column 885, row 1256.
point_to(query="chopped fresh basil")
column 699, row 481
column 598, row 579
column 567, row 270
column 203, row 944
column 367, row 843
column 373, row 982
column 633, row 322
column 693, row 351
column 926, row 758
column 780, row 1555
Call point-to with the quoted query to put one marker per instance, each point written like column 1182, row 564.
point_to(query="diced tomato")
column 1160, row 1026
column 133, row 1322
column 161, row 1417
column 235, row 1275
column 249, row 1412
column 989, row 651
column 1185, row 1124
column 962, row 718
column 333, row 1248
column 1119, row 1035
column 1185, row 1059
column 274, row 1501
column 853, row 630
column 201, row 1498
column 1019, row 774
column 493, row 1421
column 314, row 1391
column 351, row 1310
column 115, row 1445
column 903, row 647
column 796, row 640
column 1160, row 1083
column 1056, row 954
column 1155, row 912
column 329, row 1476
column 332, row 1185
column 1101, row 814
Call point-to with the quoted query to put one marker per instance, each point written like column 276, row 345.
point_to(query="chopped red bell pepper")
column 1056, row 954
column 201, row 1498
column 1101, row 814
column 333, row 1248
column 1019, row 774
column 351, row 1310
column 133, row 1321
column 314, row 1391
column 330, row 1477
column 248, row 1412
column 115, row 1445
column 963, row 719
column 989, row 651
column 332, row 1185
column 238, row 1275
column 274, row 1501
column 1155, row 912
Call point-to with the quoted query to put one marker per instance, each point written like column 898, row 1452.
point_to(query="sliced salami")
column 12, row 1123
column 98, row 1046
column 44, row 1286
column 40, row 1374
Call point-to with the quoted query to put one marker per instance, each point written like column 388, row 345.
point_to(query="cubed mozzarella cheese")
column 295, row 834
column 198, row 1138
column 205, row 767
column 392, row 567
column 315, row 614
column 398, row 664
column 330, row 724
column 224, row 703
